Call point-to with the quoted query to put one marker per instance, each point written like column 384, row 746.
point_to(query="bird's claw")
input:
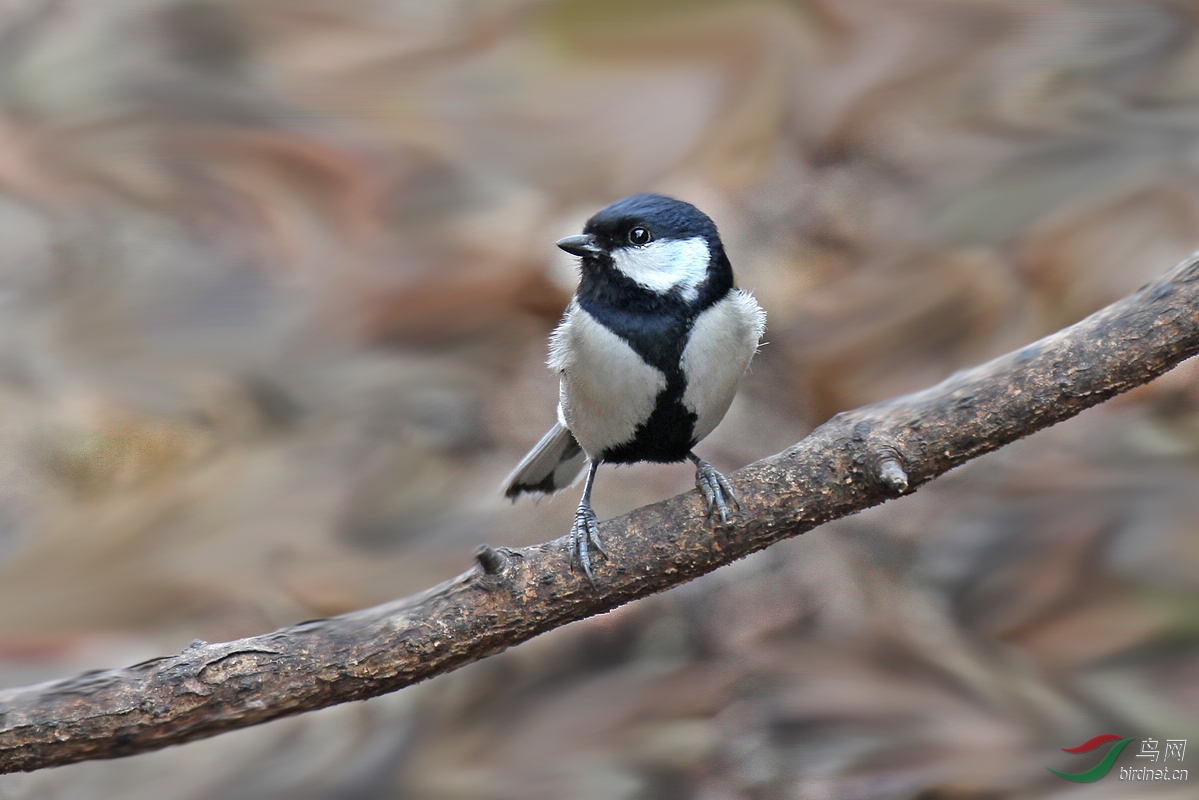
column 584, row 533
column 716, row 490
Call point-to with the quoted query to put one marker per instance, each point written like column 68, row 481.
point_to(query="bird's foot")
column 716, row 490
column 584, row 534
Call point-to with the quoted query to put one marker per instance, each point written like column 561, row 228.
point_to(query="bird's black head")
column 655, row 248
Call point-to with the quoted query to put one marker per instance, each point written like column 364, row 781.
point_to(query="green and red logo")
column 1103, row 767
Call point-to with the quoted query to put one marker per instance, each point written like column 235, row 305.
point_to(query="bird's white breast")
column 723, row 340
column 606, row 389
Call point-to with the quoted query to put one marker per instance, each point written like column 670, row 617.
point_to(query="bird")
column 649, row 353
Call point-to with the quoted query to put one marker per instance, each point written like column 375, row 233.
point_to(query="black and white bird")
column 650, row 352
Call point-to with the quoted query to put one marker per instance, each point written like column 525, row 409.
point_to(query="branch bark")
column 856, row 460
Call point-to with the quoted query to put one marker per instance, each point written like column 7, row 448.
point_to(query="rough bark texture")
column 856, row 460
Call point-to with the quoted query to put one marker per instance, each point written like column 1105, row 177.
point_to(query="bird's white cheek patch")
column 666, row 264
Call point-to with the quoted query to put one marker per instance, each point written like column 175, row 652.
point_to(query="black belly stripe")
column 658, row 338
column 666, row 437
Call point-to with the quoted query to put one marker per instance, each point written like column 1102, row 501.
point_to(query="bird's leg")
column 585, row 531
column 715, row 488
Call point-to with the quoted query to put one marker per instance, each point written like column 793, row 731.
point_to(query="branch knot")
column 887, row 464
column 491, row 561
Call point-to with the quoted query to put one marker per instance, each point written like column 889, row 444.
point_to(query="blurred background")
column 276, row 278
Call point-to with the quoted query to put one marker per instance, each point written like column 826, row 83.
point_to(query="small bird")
column 650, row 351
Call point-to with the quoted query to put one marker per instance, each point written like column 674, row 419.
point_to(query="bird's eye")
column 640, row 235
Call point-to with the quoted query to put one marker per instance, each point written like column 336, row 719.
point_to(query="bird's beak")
column 582, row 245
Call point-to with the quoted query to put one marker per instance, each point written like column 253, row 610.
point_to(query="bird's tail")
column 552, row 465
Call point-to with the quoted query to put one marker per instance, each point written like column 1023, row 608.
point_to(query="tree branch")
column 856, row 460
